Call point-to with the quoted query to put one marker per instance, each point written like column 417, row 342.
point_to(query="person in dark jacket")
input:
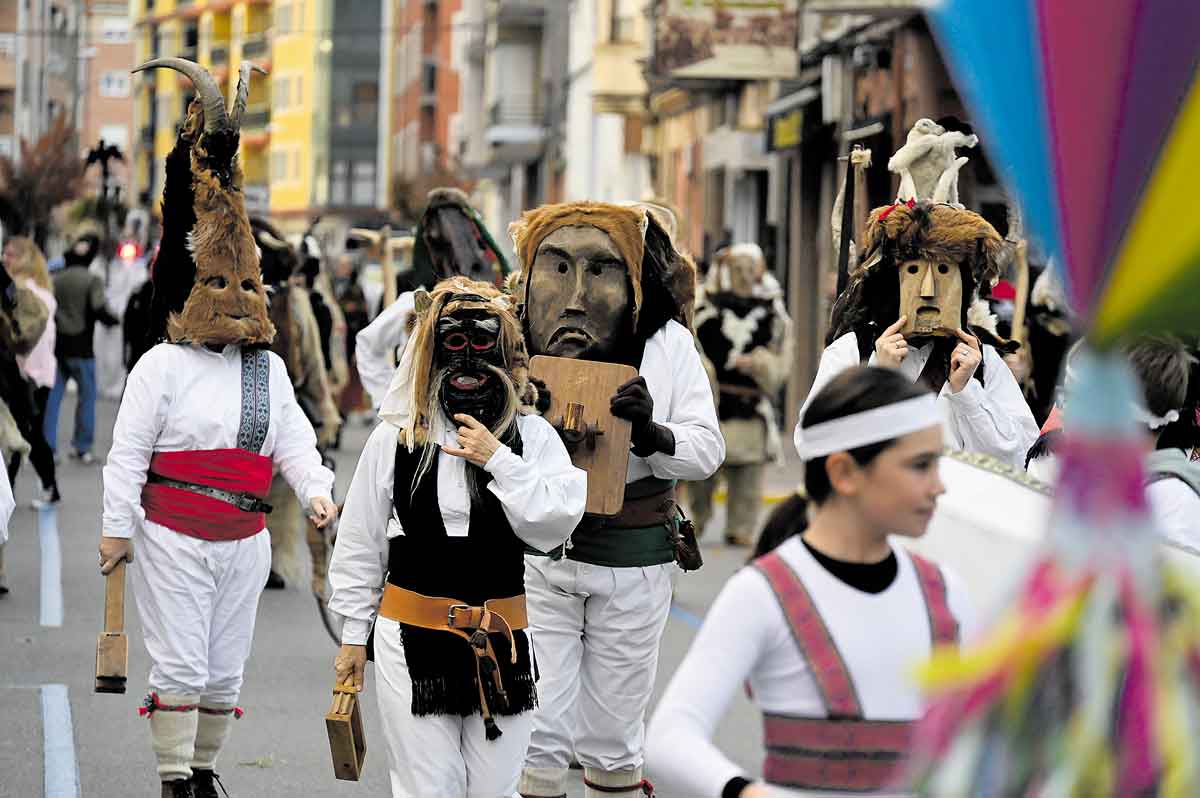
column 80, row 296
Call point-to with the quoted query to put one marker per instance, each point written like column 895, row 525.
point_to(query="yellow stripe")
column 1164, row 237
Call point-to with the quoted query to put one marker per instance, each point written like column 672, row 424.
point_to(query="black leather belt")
column 243, row 501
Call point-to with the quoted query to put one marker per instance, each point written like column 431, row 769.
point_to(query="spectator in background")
column 353, row 303
column 27, row 267
column 80, row 296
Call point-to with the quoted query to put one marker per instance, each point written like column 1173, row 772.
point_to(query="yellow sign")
column 785, row 130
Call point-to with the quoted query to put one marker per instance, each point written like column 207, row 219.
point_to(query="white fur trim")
column 980, row 315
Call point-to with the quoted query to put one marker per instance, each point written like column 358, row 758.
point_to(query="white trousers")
column 441, row 755
column 596, row 633
column 197, row 600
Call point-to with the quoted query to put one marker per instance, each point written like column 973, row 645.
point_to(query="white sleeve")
column 1176, row 510
column 542, row 493
column 735, row 633
column 995, row 419
column 295, row 450
column 7, row 505
column 837, row 357
column 691, row 415
column 140, row 419
column 375, row 344
column 359, row 564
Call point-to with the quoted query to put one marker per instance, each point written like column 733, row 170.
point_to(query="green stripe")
column 617, row 548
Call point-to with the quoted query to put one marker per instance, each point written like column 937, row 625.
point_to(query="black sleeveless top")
column 488, row 563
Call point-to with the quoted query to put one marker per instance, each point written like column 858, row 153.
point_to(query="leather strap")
column 471, row 623
column 243, row 501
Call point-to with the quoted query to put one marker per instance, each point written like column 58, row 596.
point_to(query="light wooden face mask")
column 931, row 298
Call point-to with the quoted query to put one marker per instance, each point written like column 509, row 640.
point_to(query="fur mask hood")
column 938, row 232
column 208, row 289
column 425, row 271
column 410, row 404
column 663, row 280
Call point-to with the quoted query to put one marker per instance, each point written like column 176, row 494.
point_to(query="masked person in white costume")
column 205, row 417
column 449, row 491
column 914, row 304
column 450, row 239
column 825, row 629
column 605, row 282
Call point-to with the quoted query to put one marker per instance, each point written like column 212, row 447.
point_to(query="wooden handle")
column 114, row 600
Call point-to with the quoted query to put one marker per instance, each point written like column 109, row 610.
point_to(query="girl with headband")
column 826, row 629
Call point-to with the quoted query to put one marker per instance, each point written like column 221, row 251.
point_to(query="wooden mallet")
column 112, row 648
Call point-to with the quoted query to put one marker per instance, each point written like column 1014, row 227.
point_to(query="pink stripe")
column 819, row 734
column 1084, row 47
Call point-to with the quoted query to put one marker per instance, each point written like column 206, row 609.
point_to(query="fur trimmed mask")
column 207, row 244
column 465, row 355
column 597, row 277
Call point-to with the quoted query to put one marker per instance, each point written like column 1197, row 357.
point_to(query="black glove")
column 633, row 402
column 542, row 404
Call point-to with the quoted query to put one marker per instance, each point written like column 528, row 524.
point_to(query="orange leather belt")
column 471, row 623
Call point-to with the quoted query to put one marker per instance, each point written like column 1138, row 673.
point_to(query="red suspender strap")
column 813, row 638
column 943, row 626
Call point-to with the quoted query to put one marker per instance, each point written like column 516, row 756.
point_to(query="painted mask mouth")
column 469, row 381
column 571, row 335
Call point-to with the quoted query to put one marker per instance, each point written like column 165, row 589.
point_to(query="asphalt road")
column 61, row 740
column 279, row 748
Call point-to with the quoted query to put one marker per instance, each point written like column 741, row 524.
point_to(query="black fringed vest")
column 488, row 563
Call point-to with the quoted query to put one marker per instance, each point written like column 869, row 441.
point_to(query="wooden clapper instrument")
column 112, row 648
column 344, row 724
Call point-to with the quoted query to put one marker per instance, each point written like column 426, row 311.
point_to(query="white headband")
column 870, row 426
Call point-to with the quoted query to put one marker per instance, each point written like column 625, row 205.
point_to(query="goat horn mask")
column 207, row 282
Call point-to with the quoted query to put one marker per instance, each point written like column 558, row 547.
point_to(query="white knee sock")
column 173, row 735
column 211, row 733
column 543, row 782
column 630, row 779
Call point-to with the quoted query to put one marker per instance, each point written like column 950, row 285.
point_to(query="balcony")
column 875, row 7
column 256, row 117
column 520, row 13
column 255, row 46
column 515, row 129
column 219, row 55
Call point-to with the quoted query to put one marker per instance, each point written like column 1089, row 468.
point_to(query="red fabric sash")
column 190, row 513
column 842, row 751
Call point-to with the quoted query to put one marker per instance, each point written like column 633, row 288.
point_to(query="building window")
column 115, row 30
column 338, row 183
column 114, row 84
column 8, row 45
column 296, row 165
column 299, row 91
column 283, row 19
column 624, row 18
column 366, row 102
column 117, row 135
column 281, row 93
column 363, row 192
column 428, row 77
column 279, row 167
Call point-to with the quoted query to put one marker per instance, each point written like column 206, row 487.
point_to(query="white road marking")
column 51, row 587
column 58, row 744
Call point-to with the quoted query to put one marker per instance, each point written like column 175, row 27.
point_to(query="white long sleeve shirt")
column 683, row 402
column 746, row 638
column 542, row 494
column 7, row 505
column 184, row 398
column 991, row 419
column 376, row 345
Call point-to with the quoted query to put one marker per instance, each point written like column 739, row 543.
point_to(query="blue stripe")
column 690, row 618
column 58, row 744
column 51, row 587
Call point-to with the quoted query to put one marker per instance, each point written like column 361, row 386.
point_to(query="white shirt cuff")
column 971, row 396
column 501, row 461
column 355, row 632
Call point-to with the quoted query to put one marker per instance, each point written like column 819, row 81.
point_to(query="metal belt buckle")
column 450, row 613
column 243, row 502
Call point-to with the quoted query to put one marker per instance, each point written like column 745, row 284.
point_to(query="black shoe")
column 180, row 788
column 275, row 581
column 205, row 783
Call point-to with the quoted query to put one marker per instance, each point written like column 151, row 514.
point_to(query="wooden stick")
column 112, row 647
column 1021, row 301
column 114, row 600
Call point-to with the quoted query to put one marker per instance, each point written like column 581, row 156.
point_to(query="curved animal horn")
column 215, row 117
column 243, row 91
